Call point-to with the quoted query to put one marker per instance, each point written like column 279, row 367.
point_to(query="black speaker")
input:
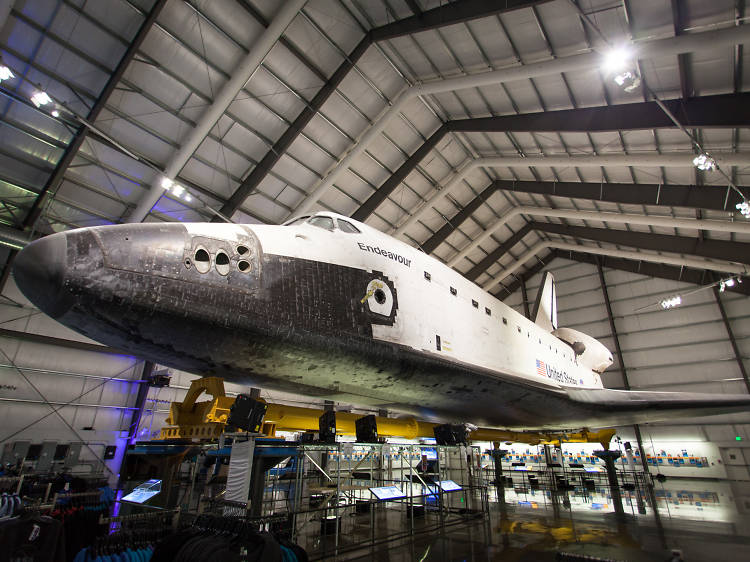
column 367, row 429
column 247, row 413
column 327, row 427
column 451, row 434
column 109, row 452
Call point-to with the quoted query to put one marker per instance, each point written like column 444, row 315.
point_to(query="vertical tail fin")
column 545, row 307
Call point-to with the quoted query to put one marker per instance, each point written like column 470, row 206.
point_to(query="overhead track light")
column 744, row 208
column 617, row 60
column 671, row 302
column 619, row 63
column 5, row 73
column 40, row 98
column 676, row 300
column 724, row 283
column 166, row 183
column 704, row 162
column 628, row 81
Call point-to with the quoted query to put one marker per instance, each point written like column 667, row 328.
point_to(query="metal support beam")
column 732, row 340
column 646, row 50
column 704, row 111
column 495, row 255
column 75, row 144
column 449, row 14
column 261, row 170
column 444, row 15
column 525, row 297
column 613, row 331
column 626, row 385
column 372, row 203
column 620, row 218
column 506, row 290
column 683, row 59
column 50, row 340
column 140, row 402
column 717, row 198
column 709, row 111
column 241, row 74
column 707, row 248
column 699, row 197
column 456, row 220
column 650, row 269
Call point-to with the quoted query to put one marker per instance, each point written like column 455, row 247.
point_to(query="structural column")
column 140, row 401
column 497, row 456
column 730, row 334
column 609, row 458
column 626, row 384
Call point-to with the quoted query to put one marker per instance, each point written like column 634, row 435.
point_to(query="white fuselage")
column 474, row 328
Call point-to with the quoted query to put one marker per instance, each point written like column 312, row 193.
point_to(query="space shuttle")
column 331, row 308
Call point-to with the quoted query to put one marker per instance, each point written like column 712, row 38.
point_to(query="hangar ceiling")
column 427, row 119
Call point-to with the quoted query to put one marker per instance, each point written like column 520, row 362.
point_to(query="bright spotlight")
column 55, row 113
column 5, row 73
column 166, row 183
column 744, row 208
column 177, row 190
column 188, row 198
column 671, row 302
column 617, row 60
column 40, row 98
column 729, row 282
column 704, row 162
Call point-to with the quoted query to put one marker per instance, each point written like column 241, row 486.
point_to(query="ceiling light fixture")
column 177, row 190
column 724, row 283
column 6, row 73
column 671, row 302
column 744, row 208
column 40, row 98
column 166, row 183
column 628, row 81
column 704, row 162
column 676, row 300
column 55, row 113
column 617, row 60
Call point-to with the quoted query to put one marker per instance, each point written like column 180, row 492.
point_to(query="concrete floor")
column 538, row 534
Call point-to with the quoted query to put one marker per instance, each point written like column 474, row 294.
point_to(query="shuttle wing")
column 621, row 407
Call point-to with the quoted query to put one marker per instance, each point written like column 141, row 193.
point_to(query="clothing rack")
column 39, row 507
column 60, row 496
column 229, row 508
column 175, row 513
column 228, row 522
column 11, row 479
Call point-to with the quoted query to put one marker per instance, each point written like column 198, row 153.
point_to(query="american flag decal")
column 541, row 368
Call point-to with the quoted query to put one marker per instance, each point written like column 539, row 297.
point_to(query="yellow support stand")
column 206, row 420
column 201, row 420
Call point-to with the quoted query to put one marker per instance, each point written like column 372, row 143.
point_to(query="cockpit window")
column 298, row 220
column 349, row 228
column 322, row 222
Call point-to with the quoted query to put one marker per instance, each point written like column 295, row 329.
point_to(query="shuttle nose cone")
column 39, row 271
